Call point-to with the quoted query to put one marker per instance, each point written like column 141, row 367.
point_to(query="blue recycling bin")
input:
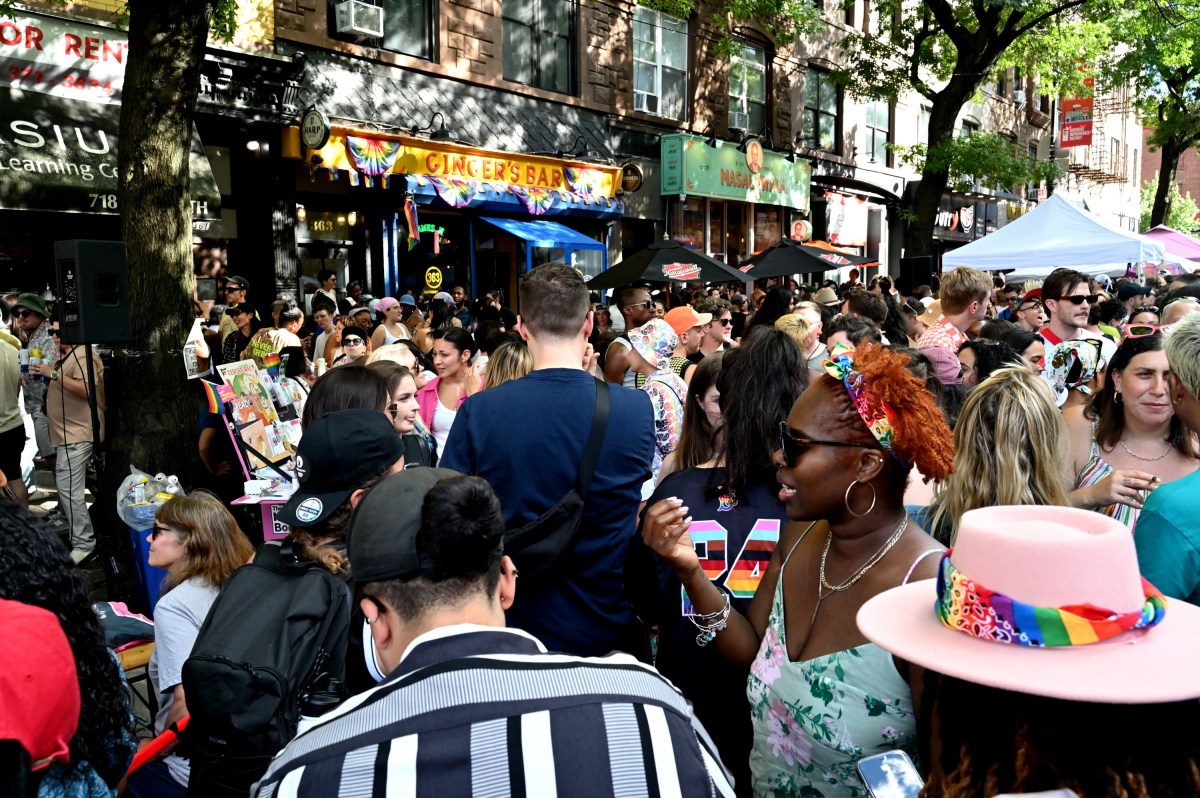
column 149, row 578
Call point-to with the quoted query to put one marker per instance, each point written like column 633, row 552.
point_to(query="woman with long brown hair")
column 1128, row 440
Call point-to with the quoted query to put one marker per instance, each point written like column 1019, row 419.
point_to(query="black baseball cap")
column 337, row 455
column 382, row 538
column 239, row 307
column 237, row 282
column 1129, row 290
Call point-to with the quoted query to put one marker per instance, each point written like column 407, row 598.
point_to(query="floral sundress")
column 814, row 719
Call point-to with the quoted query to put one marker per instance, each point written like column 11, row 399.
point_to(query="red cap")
column 1032, row 295
column 39, row 689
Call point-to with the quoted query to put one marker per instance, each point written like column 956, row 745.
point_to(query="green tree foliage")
column 1184, row 215
column 984, row 159
column 783, row 19
column 945, row 50
column 1159, row 54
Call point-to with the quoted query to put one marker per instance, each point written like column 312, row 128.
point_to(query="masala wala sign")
column 691, row 167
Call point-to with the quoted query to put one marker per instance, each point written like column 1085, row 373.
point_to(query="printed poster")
column 253, row 413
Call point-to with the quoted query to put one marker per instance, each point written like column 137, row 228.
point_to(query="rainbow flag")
column 271, row 364
column 410, row 216
column 215, row 404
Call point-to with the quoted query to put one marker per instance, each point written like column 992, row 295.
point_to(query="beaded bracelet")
column 711, row 622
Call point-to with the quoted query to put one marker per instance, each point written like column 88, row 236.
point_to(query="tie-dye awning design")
column 371, row 158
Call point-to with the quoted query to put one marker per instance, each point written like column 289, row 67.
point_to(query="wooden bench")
column 137, row 658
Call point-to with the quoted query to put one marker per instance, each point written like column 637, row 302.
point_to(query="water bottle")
column 24, row 361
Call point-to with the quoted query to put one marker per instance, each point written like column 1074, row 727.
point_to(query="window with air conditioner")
column 822, row 111
column 539, row 43
column 748, row 88
column 408, row 27
column 660, row 46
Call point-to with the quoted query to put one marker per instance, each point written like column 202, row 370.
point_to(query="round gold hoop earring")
column 847, row 499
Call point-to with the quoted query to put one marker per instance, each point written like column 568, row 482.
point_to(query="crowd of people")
column 764, row 538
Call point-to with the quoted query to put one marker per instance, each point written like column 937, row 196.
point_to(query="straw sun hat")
column 1030, row 597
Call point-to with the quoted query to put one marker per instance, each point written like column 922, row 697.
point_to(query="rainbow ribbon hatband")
column 966, row 606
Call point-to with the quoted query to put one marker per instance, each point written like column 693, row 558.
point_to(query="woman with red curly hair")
column 821, row 696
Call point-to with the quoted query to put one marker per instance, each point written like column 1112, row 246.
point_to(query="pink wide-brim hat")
column 1047, row 557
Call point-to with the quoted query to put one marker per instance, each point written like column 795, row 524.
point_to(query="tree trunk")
column 928, row 197
column 152, row 419
column 1172, row 151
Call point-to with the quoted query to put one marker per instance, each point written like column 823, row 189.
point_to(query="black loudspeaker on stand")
column 93, row 308
column 94, row 291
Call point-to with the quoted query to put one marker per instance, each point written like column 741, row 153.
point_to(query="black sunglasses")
column 229, row 288
column 1079, row 299
column 352, row 341
column 158, row 530
column 794, row 446
column 1033, row 303
column 54, row 331
column 20, row 314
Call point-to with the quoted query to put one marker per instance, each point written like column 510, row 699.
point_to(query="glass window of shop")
column 748, row 88
column 409, row 27
column 659, row 63
column 441, row 258
column 539, row 43
column 725, row 224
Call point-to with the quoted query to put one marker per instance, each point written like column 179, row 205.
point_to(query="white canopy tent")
column 1053, row 235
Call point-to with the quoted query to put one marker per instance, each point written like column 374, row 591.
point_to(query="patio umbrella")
column 786, row 257
column 666, row 260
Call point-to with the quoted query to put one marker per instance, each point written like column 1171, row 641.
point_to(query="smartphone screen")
column 890, row 775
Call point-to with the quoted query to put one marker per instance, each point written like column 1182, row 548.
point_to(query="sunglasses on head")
column 1144, row 309
column 1143, row 330
column 1079, row 299
column 352, row 341
column 794, row 446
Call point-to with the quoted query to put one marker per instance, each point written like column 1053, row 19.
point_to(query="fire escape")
column 1105, row 161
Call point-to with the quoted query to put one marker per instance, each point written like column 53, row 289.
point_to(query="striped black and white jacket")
column 486, row 712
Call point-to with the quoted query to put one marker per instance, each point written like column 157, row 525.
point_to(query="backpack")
column 540, row 545
column 275, row 639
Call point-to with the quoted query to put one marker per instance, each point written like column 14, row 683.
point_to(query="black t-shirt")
column 735, row 539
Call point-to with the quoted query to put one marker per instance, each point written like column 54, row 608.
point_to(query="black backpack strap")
column 591, row 455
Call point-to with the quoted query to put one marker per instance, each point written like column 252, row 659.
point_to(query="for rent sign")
column 63, row 58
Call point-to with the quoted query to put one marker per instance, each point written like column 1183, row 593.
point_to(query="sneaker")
column 79, row 555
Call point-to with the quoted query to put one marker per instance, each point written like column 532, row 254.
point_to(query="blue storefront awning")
column 544, row 233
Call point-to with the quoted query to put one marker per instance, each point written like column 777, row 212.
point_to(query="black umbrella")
column 666, row 260
column 787, row 257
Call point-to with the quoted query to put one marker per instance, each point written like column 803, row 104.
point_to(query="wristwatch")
column 54, row 376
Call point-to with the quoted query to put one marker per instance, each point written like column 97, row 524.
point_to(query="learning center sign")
column 691, row 167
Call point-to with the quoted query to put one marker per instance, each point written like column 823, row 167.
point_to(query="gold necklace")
column 1137, row 456
column 871, row 562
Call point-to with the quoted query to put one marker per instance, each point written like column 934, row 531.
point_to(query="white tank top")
column 443, row 420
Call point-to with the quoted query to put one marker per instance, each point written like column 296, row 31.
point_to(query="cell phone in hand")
column 890, row 775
